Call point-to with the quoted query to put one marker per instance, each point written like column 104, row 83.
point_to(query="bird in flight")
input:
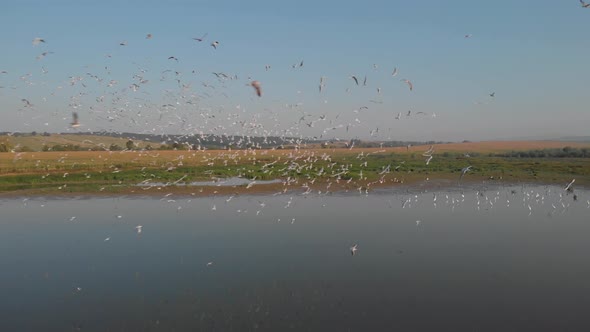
column 353, row 249
column 201, row 39
column 463, row 171
column 38, row 41
column 149, row 36
column 569, row 185
column 257, row 87
column 215, row 44
column 493, row 94
column 75, row 123
column 585, row 5
column 355, row 79
column 173, row 58
column 409, row 84
column 123, row 43
column 394, row 73
column 138, row 227
column 468, row 36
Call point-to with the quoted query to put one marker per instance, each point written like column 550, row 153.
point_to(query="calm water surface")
column 499, row 259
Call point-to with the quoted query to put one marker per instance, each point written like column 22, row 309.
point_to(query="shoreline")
column 297, row 187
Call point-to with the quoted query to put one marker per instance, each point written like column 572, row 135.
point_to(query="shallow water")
column 476, row 261
column 218, row 182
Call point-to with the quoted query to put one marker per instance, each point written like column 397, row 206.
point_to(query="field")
column 302, row 169
column 37, row 142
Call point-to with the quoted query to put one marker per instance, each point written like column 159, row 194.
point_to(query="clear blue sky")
column 532, row 54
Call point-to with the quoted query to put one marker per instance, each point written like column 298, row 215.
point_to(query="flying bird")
column 355, row 79
column 493, row 94
column 409, row 84
column 149, row 36
column 569, row 185
column 173, row 58
column 215, row 44
column 353, row 249
column 42, row 55
column 123, row 43
column 138, row 228
column 38, row 41
column 75, row 123
column 585, row 5
column 394, row 74
column 257, row 87
column 27, row 103
column 463, row 171
column 468, row 36
column 201, row 39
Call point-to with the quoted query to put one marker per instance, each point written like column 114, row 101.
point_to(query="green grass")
column 86, row 172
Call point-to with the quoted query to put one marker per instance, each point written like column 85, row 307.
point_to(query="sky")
column 533, row 56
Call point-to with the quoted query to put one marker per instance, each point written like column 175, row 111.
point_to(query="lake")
column 494, row 258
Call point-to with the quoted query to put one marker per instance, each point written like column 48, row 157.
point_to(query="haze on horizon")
column 531, row 56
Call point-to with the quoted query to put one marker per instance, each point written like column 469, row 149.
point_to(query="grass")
column 121, row 171
column 36, row 143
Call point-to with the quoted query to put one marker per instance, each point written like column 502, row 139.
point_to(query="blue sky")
column 533, row 55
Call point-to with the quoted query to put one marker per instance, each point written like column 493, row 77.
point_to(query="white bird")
column 463, row 171
column 215, row 44
column 139, row 228
column 394, row 73
column 353, row 249
column 107, row 239
column 38, row 41
column 410, row 85
column 569, row 185
column 209, row 263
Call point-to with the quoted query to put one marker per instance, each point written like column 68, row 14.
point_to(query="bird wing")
column 355, row 80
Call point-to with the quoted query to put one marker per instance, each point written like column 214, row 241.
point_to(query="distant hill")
column 581, row 139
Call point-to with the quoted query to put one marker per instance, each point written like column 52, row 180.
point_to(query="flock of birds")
column 181, row 106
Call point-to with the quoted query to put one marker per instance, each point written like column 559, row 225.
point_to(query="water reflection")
column 478, row 260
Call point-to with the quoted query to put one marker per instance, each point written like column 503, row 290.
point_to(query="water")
column 217, row 182
column 283, row 262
